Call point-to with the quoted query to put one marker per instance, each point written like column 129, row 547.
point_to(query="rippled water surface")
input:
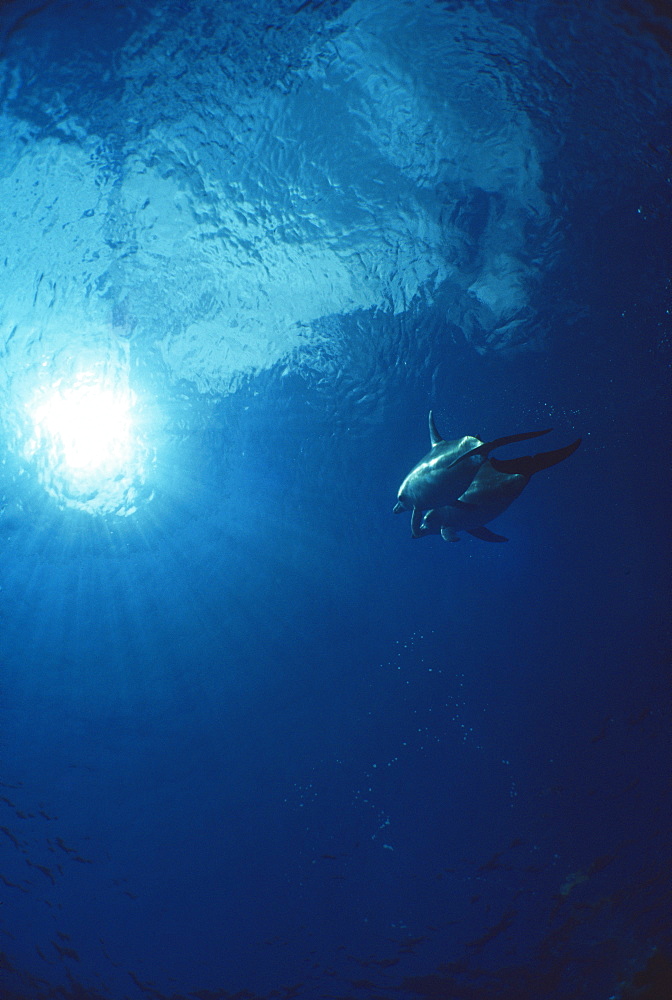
column 254, row 737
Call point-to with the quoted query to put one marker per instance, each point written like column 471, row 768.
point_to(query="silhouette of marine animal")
column 445, row 473
column 497, row 483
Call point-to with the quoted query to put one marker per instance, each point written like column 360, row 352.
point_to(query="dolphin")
column 445, row 473
column 497, row 483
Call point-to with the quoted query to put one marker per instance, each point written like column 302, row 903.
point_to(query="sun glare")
column 90, row 427
column 84, row 444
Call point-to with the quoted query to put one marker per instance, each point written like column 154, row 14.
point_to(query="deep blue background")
column 254, row 736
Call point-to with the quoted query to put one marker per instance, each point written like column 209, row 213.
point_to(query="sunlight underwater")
column 181, row 232
column 248, row 739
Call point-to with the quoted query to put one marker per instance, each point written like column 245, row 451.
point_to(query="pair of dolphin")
column 458, row 487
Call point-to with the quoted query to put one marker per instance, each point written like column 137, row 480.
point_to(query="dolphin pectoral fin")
column 486, row 535
column 434, row 435
column 527, row 465
column 416, row 522
column 449, row 535
column 398, row 507
column 463, row 504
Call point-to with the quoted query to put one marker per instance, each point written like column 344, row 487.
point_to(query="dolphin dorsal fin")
column 434, row 435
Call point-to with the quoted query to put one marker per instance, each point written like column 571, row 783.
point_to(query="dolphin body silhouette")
column 497, row 483
column 445, row 473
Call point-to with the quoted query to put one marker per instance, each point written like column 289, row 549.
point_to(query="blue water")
column 255, row 740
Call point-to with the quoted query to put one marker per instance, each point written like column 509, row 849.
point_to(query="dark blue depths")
column 256, row 740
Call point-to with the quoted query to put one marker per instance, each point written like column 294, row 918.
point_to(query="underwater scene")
column 335, row 408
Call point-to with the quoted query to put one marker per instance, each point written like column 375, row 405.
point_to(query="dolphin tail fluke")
column 512, row 439
column 485, row 449
column 527, row 465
